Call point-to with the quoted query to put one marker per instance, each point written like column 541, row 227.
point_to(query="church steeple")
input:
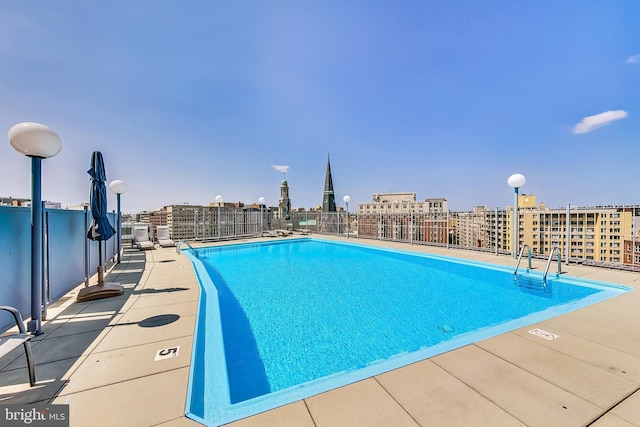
column 329, row 198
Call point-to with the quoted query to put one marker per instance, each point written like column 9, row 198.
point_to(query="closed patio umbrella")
column 100, row 230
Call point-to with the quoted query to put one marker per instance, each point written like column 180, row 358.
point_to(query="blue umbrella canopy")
column 100, row 228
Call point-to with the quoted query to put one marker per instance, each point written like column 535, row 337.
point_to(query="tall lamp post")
column 38, row 142
column 261, row 200
column 219, row 201
column 347, row 199
column 119, row 187
column 516, row 181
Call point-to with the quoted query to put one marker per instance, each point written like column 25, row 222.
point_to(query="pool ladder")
column 184, row 242
column 546, row 269
column 515, row 272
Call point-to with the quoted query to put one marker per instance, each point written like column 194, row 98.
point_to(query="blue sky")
column 187, row 100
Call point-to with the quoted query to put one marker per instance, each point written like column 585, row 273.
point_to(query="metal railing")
column 601, row 236
column 515, row 271
column 184, row 242
column 546, row 268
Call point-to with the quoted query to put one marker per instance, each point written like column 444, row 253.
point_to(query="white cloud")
column 281, row 168
column 635, row 59
column 590, row 123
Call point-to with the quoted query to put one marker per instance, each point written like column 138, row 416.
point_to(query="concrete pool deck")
column 98, row 357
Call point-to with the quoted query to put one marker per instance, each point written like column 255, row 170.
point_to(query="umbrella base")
column 105, row 290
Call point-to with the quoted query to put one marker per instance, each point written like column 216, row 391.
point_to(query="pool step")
column 529, row 282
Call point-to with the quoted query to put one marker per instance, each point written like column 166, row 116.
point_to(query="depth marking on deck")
column 543, row 334
column 167, row 353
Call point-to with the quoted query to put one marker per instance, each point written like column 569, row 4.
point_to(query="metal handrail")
column 546, row 269
column 181, row 242
column 515, row 271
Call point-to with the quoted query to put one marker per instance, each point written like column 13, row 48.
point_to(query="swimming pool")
column 281, row 321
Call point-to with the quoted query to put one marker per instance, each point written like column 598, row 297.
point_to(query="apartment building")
column 631, row 252
column 605, row 234
column 142, row 216
column 482, row 228
column 402, row 203
column 593, row 233
column 156, row 218
column 400, row 216
column 10, row 201
column 182, row 220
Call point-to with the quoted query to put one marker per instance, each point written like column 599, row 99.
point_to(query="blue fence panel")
column 15, row 259
column 67, row 267
column 67, row 239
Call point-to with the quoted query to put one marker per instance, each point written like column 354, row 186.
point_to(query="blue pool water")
column 284, row 320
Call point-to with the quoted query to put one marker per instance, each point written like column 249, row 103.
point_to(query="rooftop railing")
column 597, row 236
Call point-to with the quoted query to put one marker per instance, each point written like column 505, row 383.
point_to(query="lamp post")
column 261, row 200
column 516, row 181
column 119, row 187
column 347, row 199
column 219, row 201
column 38, row 142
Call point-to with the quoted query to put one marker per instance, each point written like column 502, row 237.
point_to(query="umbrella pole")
column 100, row 268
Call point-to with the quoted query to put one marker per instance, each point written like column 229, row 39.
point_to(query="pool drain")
column 446, row 329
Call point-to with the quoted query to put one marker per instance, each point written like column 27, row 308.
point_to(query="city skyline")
column 444, row 100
